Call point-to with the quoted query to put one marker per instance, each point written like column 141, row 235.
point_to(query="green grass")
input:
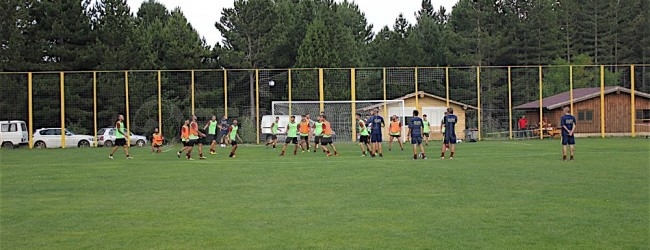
column 499, row 195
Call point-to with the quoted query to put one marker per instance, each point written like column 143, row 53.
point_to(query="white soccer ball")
column 459, row 141
column 271, row 83
column 223, row 145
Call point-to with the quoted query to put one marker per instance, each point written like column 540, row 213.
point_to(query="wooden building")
column 431, row 105
column 586, row 109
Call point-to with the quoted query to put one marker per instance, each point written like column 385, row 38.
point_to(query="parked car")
column 106, row 137
column 13, row 134
column 51, row 138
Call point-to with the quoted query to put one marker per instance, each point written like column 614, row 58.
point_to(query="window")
column 585, row 115
column 11, row 127
column 643, row 116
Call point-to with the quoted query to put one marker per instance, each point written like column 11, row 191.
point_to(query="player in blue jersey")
column 375, row 123
column 415, row 135
column 568, row 123
column 450, row 133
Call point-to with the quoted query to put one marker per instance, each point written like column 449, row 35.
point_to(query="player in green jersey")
column 292, row 135
column 233, row 136
column 273, row 139
column 427, row 129
column 318, row 131
column 211, row 127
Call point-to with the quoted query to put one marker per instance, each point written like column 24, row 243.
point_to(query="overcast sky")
column 203, row 14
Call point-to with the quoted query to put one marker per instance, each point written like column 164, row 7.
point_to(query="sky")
column 203, row 14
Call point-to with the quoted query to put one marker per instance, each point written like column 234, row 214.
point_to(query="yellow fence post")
column 160, row 102
column 126, row 97
column 385, row 109
column 632, row 102
column 62, row 90
column 95, row 106
column 478, row 94
column 289, row 83
column 353, row 98
column 571, row 87
column 602, row 101
column 321, row 90
column 541, row 105
column 510, row 100
column 257, row 105
column 225, row 93
column 417, row 98
column 447, row 85
column 30, row 110
column 192, row 86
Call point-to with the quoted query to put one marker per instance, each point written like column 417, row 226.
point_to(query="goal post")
column 340, row 114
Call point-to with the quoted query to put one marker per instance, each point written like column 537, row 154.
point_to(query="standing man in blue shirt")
column 568, row 123
column 449, row 123
column 375, row 123
column 223, row 131
column 415, row 135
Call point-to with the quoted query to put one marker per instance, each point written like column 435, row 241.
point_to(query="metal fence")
column 493, row 98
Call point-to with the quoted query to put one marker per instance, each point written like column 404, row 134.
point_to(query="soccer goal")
column 342, row 114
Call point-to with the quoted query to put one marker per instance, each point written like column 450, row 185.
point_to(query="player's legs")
column 286, row 143
column 363, row 147
column 390, row 143
column 422, row 151
column 331, row 144
column 295, row 147
column 415, row 146
column 573, row 149
column 114, row 149
column 401, row 144
column 201, row 157
column 213, row 144
column 234, row 148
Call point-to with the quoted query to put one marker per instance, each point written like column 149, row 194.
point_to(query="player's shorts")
column 326, row 141
column 120, row 142
column 395, row 135
column 157, row 145
column 375, row 138
column 209, row 138
column 192, row 142
column 364, row 139
column 416, row 140
column 233, row 143
column 304, row 138
column 450, row 139
column 426, row 134
column 223, row 133
column 274, row 137
column 318, row 139
column 568, row 140
column 292, row 140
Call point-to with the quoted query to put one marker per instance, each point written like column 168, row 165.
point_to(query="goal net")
column 340, row 114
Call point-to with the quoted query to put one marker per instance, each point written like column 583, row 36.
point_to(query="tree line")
column 66, row 35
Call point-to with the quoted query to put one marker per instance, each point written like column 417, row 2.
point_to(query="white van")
column 13, row 134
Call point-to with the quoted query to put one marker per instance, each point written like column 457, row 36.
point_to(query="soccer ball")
column 459, row 141
column 271, row 83
column 223, row 145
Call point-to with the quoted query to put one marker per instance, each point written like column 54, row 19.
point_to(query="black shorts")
column 426, row 134
column 450, row 139
column 293, row 140
column 395, row 136
column 363, row 139
column 233, row 143
column 192, row 142
column 326, row 141
column 120, row 142
column 568, row 140
column 222, row 134
column 318, row 139
column 186, row 144
column 209, row 138
column 304, row 138
column 274, row 137
column 156, row 145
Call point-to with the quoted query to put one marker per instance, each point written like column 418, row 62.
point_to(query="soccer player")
column 232, row 133
column 363, row 135
column 568, row 123
column 327, row 136
column 427, row 129
column 211, row 127
column 375, row 123
column 450, row 133
column 223, row 131
column 292, row 135
column 196, row 137
column 311, row 132
column 395, row 128
column 185, row 138
column 120, row 138
column 415, row 135
column 274, row 133
column 318, row 131
column 303, row 127
column 442, row 131
column 156, row 141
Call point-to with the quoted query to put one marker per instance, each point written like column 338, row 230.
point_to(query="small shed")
column 586, row 108
column 431, row 105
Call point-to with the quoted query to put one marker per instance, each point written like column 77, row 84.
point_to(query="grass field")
column 503, row 195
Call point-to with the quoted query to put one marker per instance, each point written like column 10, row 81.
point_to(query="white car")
column 13, row 134
column 51, row 138
column 106, row 137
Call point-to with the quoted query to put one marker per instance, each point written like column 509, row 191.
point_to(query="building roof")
column 579, row 95
column 422, row 93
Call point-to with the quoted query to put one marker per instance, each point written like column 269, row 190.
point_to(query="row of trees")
column 66, row 35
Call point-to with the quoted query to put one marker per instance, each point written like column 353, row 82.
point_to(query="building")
column 431, row 105
column 586, row 109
